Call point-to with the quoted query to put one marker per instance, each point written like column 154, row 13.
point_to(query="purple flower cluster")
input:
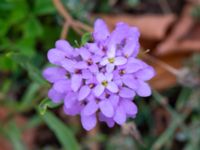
column 101, row 78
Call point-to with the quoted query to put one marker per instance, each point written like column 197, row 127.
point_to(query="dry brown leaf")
column 164, row 79
column 152, row 27
column 183, row 37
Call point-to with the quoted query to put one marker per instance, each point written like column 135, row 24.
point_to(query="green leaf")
column 29, row 96
column 167, row 135
column 26, row 46
column 43, row 7
column 25, row 62
column 12, row 13
column 85, row 38
column 183, row 97
column 33, row 122
column 61, row 131
column 5, row 6
column 19, row 12
column 6, row 64
column 163, row 101
column 33, row 28
column 45, row 104
column 4, row 26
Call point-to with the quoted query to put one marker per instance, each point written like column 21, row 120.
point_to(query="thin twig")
column 69, row 21
column 83, row 26
column 61, row 9
column 64, row 30
column 131, row 129
column 164, row 65
column 78, row 30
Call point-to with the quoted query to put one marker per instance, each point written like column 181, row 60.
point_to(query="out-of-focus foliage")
column 61, row 131
column 132, row 3
column 196, row 12
column 28, row 29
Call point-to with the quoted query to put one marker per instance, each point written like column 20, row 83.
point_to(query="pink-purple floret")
column 100, row 79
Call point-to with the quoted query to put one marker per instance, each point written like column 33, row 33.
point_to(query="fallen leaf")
column 165, row 79
column 184, row 37
column 151, row 26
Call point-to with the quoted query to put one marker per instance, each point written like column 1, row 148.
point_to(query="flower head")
column 99, row 80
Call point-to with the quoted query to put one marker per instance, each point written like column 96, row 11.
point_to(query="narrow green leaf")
column 85, row 38
column 14, row 135
column 33, row 122
column 76, row 43
column 45, row 104
column 4, row 26
column 163, row 101
column 183, row 97
column 61, row 131
column 167, row 136
column 29, row 96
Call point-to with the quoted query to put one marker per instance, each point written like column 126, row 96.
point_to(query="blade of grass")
column 14, row 135
column 85, row 38
column 168, row 134
column 162, row 101
column 33, row 122
column 177, row 120
column 61, row 131
column 183, row 97
column 29, row 96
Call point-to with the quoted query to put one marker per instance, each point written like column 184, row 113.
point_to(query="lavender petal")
column 106, row 108
column 88, row 122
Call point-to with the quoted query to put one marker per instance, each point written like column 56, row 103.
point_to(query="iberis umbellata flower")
column 99, row 80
